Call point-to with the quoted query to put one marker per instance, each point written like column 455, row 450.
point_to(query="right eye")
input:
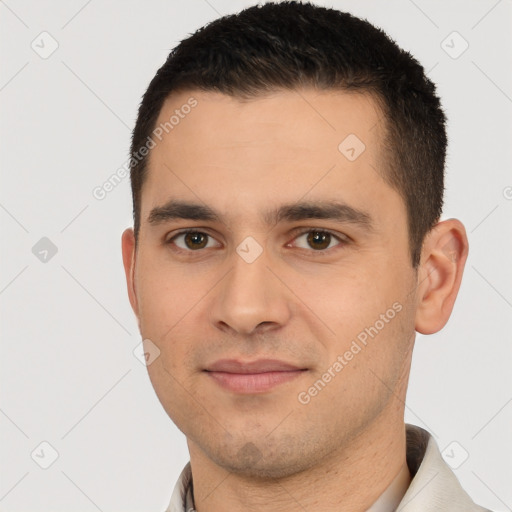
column 193, row 240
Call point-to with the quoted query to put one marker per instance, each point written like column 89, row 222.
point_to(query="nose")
column 250, row 298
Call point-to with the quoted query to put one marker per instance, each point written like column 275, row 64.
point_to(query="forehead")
column 280, row 147
column 297, row 120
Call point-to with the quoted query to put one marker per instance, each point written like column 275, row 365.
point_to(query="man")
column 287, row 180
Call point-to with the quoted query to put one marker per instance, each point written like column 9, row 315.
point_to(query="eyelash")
column 342, row 239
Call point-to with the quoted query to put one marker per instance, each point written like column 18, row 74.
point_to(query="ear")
column 129, row 254
column 443, row 257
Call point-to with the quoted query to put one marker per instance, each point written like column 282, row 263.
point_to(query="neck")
column 353, row 478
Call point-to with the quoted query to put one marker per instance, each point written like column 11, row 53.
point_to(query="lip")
column 251, row 377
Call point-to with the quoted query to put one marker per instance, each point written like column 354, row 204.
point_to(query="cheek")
column 370, row 317
column 173, row 316
column 164, row 298
column 349, row 300
column 364, row 371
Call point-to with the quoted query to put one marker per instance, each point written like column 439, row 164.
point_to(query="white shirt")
column 433, row 488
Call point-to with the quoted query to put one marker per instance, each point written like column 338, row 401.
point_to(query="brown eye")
column 193, row 241
column 196, row 240
column 319, row 240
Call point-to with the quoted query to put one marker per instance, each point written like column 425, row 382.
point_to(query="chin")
column 263, row 470
column 264, row 463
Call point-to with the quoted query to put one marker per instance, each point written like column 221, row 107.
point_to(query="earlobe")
column 129, row 254
column 443, row 258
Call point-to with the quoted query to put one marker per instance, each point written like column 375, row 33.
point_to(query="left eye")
column 317, row 240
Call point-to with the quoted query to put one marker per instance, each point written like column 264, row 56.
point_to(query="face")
column 273, row 275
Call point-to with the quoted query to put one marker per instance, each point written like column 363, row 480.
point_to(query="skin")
column 295, row 302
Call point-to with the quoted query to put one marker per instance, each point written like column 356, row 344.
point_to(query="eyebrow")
column 326, row 210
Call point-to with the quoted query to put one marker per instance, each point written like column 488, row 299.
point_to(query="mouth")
column 253, row 376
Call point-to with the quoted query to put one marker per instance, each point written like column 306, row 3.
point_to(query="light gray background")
column 68, row 373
